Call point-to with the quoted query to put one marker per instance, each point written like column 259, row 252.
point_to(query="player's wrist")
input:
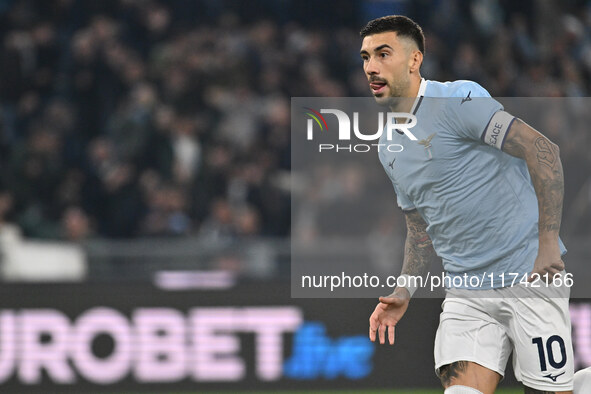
column 406, row 285
column 548, row 236
column 402, row 292
column 548, row 243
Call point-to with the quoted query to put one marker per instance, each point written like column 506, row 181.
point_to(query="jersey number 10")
column 551, row 360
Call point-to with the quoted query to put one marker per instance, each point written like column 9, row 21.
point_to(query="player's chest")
column 430, row 158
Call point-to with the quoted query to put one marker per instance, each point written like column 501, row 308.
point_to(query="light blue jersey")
column 479, row 202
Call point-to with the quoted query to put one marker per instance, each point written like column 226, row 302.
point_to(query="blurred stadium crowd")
column 126, row 118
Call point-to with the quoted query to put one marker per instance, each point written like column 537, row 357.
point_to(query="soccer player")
column 482, row 190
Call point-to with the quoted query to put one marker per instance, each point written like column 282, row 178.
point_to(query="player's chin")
column 382, row 99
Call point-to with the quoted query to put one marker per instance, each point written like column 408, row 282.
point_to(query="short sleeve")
column 470, row 111
column 402, row 199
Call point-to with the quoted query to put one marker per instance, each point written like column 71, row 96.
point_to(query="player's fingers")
column 559, row 265
column 390, row 300
column 533, row 275
column 372, row 332
column 549, row 272
column 391, row 334
column 373, row 326
column 552, row 271
column 536, row 274
column 382, row 333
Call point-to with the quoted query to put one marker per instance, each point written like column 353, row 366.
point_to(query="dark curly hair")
column 402, row 25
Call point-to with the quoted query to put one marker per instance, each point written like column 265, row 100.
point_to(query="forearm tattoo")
column 545, row 168
column 549, row 185
column 418, row 249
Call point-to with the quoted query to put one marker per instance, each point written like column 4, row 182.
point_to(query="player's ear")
column 415, row 60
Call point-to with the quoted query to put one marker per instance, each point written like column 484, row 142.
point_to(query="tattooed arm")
column 418, row 249
column 545, row 168
column 418, row 252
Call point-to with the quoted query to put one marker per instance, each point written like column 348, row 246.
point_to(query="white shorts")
column 487, row 328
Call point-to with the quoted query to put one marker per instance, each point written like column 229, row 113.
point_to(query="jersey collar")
column 420, row 95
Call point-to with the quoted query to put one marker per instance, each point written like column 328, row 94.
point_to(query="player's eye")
column 384, row 54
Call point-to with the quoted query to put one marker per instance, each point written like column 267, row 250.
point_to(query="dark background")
column 154, row 137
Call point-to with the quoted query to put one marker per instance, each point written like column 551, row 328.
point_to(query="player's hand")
column 548, row 262
column 387, row 314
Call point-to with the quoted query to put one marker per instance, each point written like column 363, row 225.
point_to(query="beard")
column 396, row 93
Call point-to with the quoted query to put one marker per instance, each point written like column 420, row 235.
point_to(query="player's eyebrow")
column 377, row 49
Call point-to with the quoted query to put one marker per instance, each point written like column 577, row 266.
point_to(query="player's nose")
column 371, row 67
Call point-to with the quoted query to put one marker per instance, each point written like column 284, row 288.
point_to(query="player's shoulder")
column 459, row 88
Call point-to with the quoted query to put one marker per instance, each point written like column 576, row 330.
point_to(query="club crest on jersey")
column 427, row 144
column 427, row 141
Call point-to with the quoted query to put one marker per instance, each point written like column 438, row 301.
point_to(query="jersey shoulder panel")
column 460, row 88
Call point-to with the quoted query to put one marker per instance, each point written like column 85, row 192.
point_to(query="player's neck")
column 415, row 85
column 411, row 94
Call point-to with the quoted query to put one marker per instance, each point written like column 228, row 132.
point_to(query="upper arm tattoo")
column 545, row 168
column 546, row 153
column 526, row 143
column 515, row 143
column 416, row 229
column 418, row 249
